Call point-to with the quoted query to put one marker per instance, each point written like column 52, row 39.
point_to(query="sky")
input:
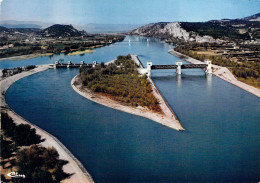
column 83, row 12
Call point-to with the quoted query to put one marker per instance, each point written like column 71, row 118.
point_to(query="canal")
column 221, row 142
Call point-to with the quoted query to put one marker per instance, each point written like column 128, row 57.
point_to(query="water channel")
column 221, row 142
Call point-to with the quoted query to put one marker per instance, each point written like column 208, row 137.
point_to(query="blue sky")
column 125, row 11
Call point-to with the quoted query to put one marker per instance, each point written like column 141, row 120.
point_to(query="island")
column 120, row 85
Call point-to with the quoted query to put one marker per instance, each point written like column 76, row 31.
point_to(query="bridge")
column 179, row 66
column 59, row 64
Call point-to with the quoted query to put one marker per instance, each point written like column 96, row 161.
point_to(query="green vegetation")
column 120, row 81
column 22, row 135
column 55, row 39
column 245, row 71
column 214, row 29
column 11, row 72
column 19, row 149
column 40, row 164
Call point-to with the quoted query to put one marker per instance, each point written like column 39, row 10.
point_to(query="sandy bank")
column 81, row 52
column 221, row 72
column 168, row 118
column 80, row 175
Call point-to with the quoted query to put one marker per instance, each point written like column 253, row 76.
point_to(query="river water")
column 221, row 142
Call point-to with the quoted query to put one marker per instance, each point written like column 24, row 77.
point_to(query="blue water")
column 104, row 54
column 221, row 142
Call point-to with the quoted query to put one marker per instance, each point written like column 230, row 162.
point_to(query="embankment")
column 221, row 72
column 168, row 118
column 80, row 175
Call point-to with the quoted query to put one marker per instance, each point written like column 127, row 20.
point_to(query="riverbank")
column 73, row 166
column 166, row 118
column 81, row 52
column 221, row 72
column 23, row 57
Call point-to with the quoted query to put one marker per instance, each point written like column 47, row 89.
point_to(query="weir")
column 179, row 66
column 58, row 64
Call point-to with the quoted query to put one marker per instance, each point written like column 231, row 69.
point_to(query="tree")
column 51, row 157
column 40, row 164
column 6, row 148
column 24, row 135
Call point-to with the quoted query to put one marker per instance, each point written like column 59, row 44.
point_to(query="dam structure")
column 59, row 64
column 207, row 67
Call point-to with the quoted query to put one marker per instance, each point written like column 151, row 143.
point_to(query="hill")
column 3, row 29
column 212, row 31
column 23, row 24
column 59, row 30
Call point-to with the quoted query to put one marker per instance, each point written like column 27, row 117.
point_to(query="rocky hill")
column 171, row 30
column 212, row 31
column 58, row 30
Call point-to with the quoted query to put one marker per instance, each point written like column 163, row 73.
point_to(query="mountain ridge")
column 213, row 31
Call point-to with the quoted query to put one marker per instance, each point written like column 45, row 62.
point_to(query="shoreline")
column 81, row 52
column 221, row 72
column 168, row 119
column 74, row 166
column 23, row 57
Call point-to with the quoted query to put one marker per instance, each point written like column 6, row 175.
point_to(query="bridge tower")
column 56, row 63
column 209, row 67
column 94, row 64
column 82, row 63
column 178, row 69
column 149, row 68
column 69, row 63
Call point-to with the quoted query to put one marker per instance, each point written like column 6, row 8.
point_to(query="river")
column 221, row 142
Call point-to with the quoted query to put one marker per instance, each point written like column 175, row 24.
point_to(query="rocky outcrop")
column 172, row 30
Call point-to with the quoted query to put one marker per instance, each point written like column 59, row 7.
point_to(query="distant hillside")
column 58, row 30
column 255, row 17
column 21, row 26
column 20, row 30
column 171, row 31
column 108, row 28
column 212, row 31
column 2, row 29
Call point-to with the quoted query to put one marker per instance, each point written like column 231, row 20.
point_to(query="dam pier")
column 207, row 67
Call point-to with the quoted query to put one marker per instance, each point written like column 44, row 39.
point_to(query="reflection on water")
column 178, row 78
column 220, row 143
column 209, row 81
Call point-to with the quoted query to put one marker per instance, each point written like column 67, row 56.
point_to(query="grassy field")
column 250, row 81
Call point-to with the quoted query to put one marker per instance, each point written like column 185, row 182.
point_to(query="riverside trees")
column 20, row 147
column 247, row 71
column 121, row 81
